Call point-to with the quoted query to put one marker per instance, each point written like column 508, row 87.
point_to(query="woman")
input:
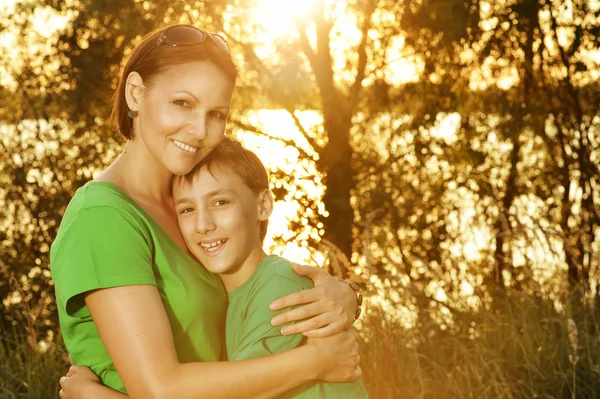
column 133, row 304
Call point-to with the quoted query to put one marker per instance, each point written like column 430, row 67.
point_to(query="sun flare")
column 278, row 17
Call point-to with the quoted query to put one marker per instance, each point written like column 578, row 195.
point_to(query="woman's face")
column 182, row 114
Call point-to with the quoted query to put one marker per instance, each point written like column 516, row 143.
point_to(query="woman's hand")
column 328, row 308
column 338, row 357
column 78, row 383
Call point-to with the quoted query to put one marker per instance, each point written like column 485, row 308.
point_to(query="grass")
column 522, row 348
column 28, row 372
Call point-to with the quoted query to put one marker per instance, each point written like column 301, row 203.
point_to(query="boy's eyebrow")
column 220, row 191
column 210, row 194
column 182, row 200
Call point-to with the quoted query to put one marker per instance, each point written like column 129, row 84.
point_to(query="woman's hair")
column 231, row 155
column 150, row 60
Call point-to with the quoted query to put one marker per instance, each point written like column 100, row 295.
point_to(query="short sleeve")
column 259, row 338
column 103, row 247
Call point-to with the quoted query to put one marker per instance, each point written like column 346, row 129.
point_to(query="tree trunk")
column 339, row 182
column 336, row 163
column 503, row 222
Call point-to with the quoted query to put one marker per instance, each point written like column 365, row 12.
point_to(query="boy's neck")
column 243, row 272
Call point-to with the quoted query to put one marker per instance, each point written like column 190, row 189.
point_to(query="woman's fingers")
column 297, row 298
column 297, row 314
column 314, row 273
column 356, row 374
column 63, row 380
column 318, row 321
column 327, row 331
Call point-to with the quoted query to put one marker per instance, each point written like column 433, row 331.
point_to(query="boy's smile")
column 219, row 217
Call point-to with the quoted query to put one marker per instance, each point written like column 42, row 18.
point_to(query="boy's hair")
column 231, row 155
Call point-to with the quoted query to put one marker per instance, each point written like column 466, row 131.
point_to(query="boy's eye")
column 218, row 115
column 182, row 103
column 185, row 210
column 221, row 202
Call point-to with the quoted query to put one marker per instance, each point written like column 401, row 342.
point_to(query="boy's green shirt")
column 249, row 333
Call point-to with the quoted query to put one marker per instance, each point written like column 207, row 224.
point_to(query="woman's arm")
column 328, row 308
column 135, row 330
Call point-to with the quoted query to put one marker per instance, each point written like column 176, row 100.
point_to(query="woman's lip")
column 187, row 143
column 181, row 150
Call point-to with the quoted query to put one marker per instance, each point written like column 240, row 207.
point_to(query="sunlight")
column 305, row 181
column 278, row 17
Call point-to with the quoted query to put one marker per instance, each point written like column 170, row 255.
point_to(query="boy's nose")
column 205, row 224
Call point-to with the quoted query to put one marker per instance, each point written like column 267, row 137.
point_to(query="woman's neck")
column 137, row 172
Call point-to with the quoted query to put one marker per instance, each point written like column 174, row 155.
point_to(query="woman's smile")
column 185, row 147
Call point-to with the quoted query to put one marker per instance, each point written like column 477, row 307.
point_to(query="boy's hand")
column 329, row 307
column 78, row 383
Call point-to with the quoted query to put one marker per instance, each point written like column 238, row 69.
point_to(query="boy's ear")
column 265, row 205
column 134, row 90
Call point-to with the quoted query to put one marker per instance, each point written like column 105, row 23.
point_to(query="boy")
column 223, row 207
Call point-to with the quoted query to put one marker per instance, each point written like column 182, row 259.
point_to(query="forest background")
column 444, row 154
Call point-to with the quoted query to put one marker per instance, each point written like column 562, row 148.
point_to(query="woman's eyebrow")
column 197, row 99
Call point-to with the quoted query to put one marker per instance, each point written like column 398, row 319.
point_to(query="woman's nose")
column 198, row 128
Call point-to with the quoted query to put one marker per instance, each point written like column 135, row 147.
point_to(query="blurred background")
column 443, row 154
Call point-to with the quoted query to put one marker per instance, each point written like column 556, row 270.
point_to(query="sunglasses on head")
column 184, row 35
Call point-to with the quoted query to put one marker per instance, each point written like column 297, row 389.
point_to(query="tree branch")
column 282, row 100
column 319, row 59
column 255, row 130
column 362, row 54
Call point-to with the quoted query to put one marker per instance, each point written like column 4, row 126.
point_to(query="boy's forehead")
column 207, row 180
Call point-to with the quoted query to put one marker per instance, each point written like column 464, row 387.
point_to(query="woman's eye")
column 182, row 103
column 218, row 115
column 221, row 202
column 185, row 210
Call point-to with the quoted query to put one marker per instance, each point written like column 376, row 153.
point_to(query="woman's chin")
column 181, row 170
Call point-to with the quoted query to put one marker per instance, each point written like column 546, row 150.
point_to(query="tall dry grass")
column 523, row 348
column 27, row 371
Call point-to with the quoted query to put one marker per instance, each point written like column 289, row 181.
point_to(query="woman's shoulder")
column 101, row 203
column 98, row 194
column 100, row 197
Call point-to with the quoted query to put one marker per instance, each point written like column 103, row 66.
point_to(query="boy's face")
column 219, row 217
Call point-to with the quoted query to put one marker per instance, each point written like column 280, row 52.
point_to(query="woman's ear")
column 265, row 205
column 134, row 90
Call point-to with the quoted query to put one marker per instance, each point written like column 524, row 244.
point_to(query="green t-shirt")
column 249, row 333
column 106, row 240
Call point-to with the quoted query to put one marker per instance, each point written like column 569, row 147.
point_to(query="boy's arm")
column 258, row 337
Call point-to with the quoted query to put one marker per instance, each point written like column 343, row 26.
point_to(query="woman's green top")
column 106, row 240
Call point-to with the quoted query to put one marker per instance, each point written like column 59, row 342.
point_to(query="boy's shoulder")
column 276, row 268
